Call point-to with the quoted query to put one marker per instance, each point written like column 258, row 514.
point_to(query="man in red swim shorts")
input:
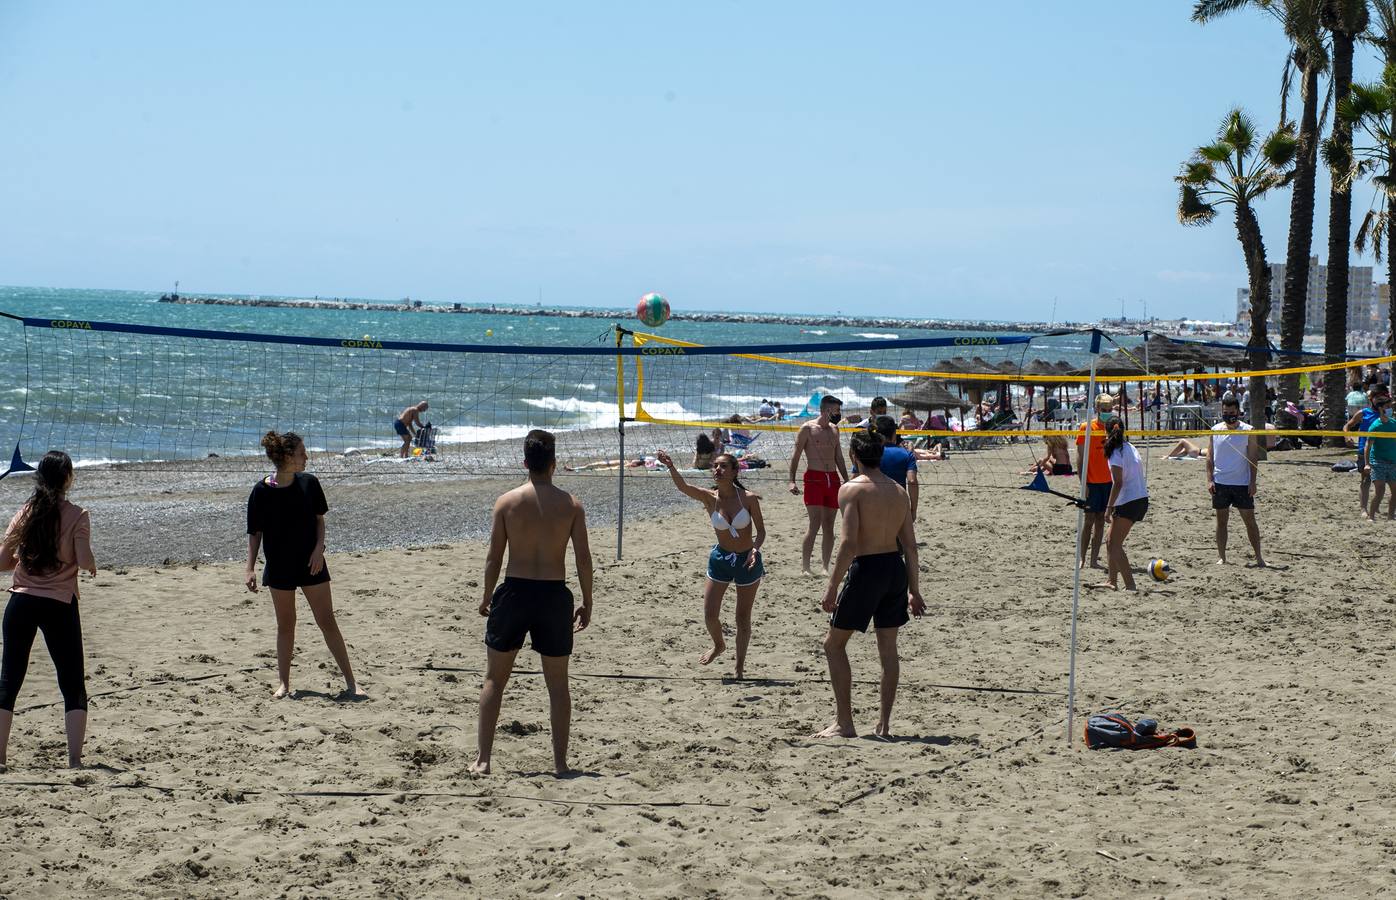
column 819, row 442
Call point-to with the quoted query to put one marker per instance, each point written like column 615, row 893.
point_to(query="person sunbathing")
column 1186, row 449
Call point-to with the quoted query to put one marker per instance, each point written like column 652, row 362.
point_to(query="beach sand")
column 693, row 784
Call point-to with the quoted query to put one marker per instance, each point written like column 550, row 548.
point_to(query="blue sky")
column 924, row 159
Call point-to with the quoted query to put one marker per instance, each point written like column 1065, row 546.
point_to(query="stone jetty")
column 807, row 321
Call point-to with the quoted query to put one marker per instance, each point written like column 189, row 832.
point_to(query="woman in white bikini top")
column 736, row 558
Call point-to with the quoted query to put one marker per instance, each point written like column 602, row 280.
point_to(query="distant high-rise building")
column 1363, row 312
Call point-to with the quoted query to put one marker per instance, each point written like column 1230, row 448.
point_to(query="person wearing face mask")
column 1097, row 478
column 1381, row 458
column 819, row 442
column 1231, row 476
column 1360, row 422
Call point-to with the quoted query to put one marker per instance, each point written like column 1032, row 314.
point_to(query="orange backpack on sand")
column 1111, row 730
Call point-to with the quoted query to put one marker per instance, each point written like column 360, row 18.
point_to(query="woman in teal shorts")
column 1381, row 455
column 735, row 513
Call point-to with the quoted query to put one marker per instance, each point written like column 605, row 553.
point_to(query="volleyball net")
column 120, row 394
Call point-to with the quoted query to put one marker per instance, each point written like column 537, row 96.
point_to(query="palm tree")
column 1308, row 56
column 1372, row 108
column 1233, row 171
column 1346, row 20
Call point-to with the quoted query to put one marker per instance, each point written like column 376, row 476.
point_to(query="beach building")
column 1363, row 307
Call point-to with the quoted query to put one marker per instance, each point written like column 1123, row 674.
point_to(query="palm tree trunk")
column 1253, row 246
column 1301, row 230
column 1335, row 315
column 1390, row 262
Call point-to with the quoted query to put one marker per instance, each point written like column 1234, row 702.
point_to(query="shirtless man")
column 535, row 521
column 408, row 423
column 819, row 441
column 878, row 551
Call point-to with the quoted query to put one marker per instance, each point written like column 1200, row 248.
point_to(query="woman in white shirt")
column 1129, row 501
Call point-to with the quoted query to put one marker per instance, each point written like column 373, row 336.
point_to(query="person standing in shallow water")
column 735, row 514
column 534, row 522
column 45, row 545
column 286, row 520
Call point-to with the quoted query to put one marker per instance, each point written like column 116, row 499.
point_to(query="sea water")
column 135, row 397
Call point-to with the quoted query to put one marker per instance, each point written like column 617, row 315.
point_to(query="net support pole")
column 1080, row 545
column 1143, row 422
column 620, row 429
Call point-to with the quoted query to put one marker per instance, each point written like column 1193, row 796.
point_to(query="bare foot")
column 561, row 770
column 1259, row 563
column 282, row 690
column 1221, row 561
column 836, row 730
column 1103, row 586
column 712, row 654
column 740, row 676
column 883, row 730
column 480, row 767
column 352, row 693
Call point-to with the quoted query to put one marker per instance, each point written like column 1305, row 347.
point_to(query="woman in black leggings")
column 47, row 541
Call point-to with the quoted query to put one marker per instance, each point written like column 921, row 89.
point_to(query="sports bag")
column 1109, row 730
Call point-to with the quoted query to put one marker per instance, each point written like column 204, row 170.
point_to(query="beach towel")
column 1111, row 730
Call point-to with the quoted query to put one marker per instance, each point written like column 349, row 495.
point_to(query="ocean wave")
column 876, row 335
column 894, row 379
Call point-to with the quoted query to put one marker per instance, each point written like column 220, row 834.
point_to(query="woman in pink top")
column 47, row 542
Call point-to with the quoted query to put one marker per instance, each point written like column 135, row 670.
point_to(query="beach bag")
column 1346, row 465
column 1111, row 730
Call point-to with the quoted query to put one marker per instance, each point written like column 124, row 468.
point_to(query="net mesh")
column 979, row 405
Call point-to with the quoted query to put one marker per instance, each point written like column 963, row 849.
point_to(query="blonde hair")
column 1054, row 441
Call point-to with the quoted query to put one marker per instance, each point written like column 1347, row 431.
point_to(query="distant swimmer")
column 818, row 440
column 45, row 545
column 878, row 553
column 286, row 522
column 535, row 522
column 407, row 424
column 735, row 513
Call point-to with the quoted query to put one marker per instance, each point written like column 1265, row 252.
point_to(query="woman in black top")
column 286, row 519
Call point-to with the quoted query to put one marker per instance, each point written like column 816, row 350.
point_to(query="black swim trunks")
column 1237, row 495
column 540, row 609
column 874, row 591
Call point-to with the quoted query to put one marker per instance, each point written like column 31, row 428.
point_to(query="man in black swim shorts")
column 535, row 522
column 878, row 552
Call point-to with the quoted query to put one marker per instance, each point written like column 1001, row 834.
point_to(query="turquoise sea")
column 120, row 397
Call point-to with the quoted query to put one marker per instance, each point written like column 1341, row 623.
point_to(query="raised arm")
column 697, row 493
column 494, row 557
column 581, row 548
column 848, row 511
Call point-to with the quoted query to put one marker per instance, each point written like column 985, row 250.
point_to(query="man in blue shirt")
column 1360, row 422
column 898, row 463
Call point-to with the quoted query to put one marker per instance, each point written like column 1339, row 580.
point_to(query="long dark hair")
column 1114, row 436
column 736, row 467
column 36, row 535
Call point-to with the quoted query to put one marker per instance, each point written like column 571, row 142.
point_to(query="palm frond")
column 1359, row 241
column 1338, row 158
column 1204, row 11
column 1238, row 130
column 1192, row 209
column 1197, row 173
column 1281, row 147
column 1216, row 153
column 1386, row 184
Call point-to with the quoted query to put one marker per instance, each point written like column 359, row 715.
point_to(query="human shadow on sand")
column 341, row 697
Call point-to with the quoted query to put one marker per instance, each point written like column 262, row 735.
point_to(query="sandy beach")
column 201, row 785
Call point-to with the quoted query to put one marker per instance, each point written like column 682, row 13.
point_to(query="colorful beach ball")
column 653, row 310
column 1160, row 569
